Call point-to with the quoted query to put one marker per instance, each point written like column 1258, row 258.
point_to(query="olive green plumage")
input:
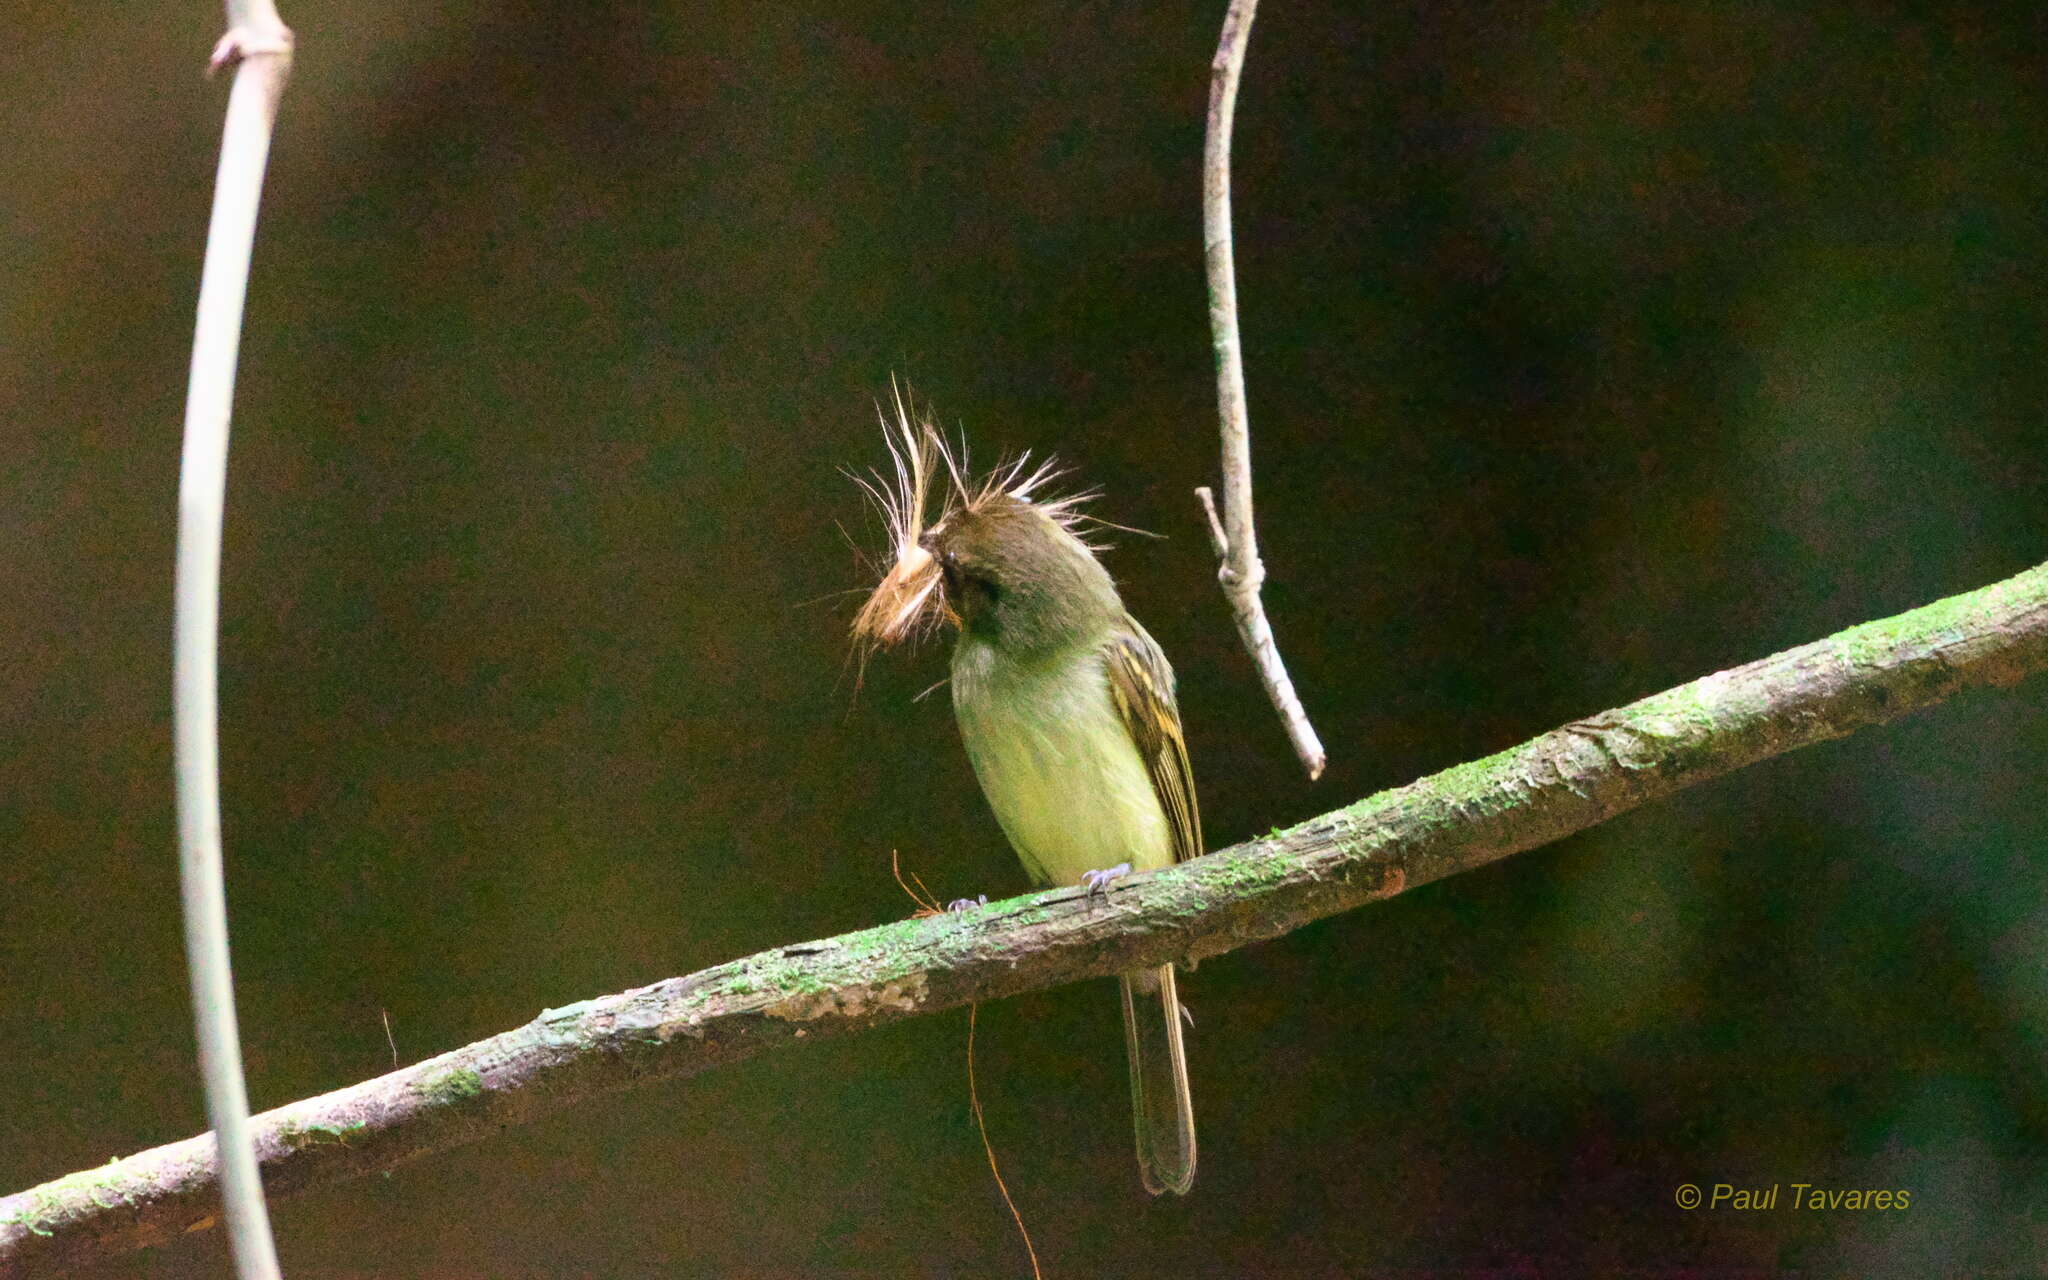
column 1066, row 707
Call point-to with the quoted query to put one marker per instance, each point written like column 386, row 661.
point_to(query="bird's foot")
column 958, row 905
column 1099, row 881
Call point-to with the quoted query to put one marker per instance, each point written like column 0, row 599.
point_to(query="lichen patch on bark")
column 901, row 995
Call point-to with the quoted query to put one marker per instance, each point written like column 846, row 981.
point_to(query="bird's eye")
column 964, row 578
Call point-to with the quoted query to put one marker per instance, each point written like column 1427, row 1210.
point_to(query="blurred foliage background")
column 1591, row 349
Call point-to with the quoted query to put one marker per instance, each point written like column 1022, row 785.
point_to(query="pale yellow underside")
column 1058, row 766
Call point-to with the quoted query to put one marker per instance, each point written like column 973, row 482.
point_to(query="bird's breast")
column 1057, row 764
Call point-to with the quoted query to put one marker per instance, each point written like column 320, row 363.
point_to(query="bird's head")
column 1003, row 563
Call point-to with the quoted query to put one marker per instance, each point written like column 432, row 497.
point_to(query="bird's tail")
column 1160, row 1104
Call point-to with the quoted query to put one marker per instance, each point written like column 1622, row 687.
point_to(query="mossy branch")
column 1465, row 817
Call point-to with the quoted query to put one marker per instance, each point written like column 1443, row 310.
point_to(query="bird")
column 1066, row 706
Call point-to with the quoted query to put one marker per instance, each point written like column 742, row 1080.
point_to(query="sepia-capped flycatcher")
column 1066, row 707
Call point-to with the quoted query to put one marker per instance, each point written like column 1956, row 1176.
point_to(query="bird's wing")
column 1141, row 685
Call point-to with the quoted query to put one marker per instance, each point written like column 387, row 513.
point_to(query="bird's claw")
column 1099, row 881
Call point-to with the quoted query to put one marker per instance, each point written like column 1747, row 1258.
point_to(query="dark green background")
column 1591, row 349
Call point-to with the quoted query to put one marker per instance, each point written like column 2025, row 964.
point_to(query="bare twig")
column 1241, row 573
column 1465, row 817
column 259, row 46
column 981, row 1124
